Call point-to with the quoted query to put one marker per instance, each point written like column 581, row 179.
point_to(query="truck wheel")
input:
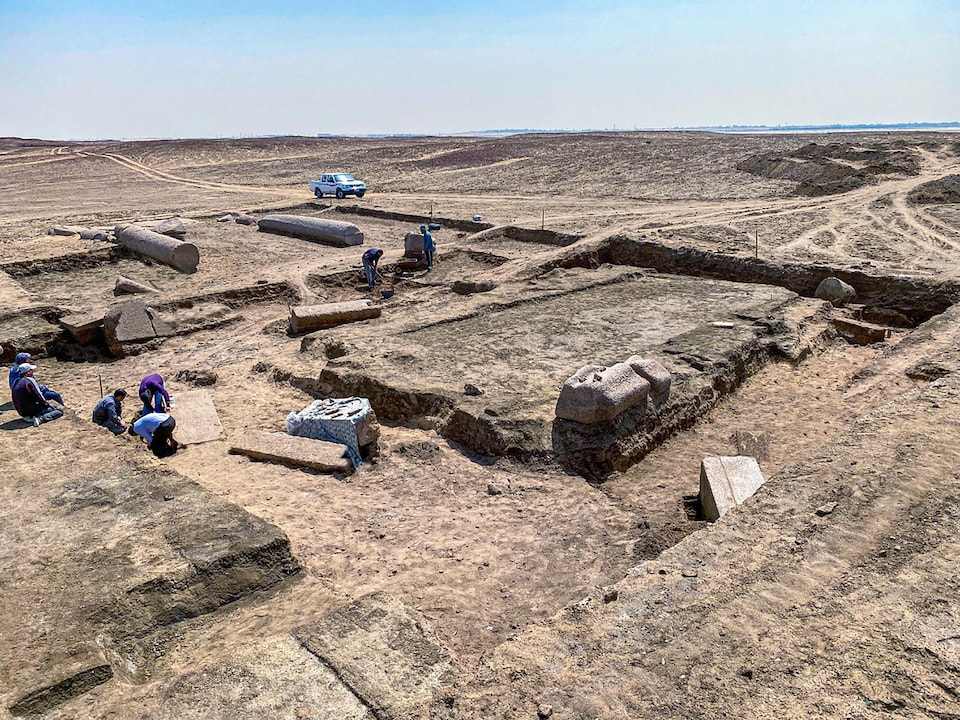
column 359, row 194
column 339, row 193
column 318, row 192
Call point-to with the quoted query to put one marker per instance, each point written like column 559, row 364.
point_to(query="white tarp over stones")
column 348, row 421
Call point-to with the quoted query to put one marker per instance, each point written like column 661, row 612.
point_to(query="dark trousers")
column 163, row 444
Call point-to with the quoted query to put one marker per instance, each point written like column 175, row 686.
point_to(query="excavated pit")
column 709, row 334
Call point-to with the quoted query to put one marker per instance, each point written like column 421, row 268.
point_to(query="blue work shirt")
column 146, row 426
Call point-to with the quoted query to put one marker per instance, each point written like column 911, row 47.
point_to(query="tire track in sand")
column 161, row 176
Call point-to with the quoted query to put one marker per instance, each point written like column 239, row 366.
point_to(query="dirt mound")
column 937, row 192
column 832, row 168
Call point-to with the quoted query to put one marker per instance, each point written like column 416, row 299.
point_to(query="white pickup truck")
column 339, row 184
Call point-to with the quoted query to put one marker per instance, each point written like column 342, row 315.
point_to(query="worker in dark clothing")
column 370, row 259
column 154, row 395
column 47, row 393
column 29, row 401
column 106, row 413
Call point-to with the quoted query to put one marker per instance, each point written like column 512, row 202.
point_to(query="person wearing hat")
column 370, row 259
column 106, row 413
column 28, row 400
column 46, row 392
column 428, row 246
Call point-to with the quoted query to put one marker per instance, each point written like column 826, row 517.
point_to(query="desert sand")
column 504, row 564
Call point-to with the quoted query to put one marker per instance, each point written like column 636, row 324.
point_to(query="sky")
column 129, row 69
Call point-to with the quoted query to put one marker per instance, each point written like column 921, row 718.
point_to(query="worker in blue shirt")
column 157, row 430
column 428, row 246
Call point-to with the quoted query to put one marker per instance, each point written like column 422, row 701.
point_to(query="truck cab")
column 338, row 184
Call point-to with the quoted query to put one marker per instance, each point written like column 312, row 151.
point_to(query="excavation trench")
column 915, row 299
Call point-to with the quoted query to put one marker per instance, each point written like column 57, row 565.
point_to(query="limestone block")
column 197, row 419
column 132, row 323
column 835, row 291
column 726, row 482
column 860, row 333
column 595, row 393
column 173, row 227
column 93, row 234
column 655, row 374
column 83, row 327
column 126, row 286
column 65, row 230
column 330, row 232
column 469, row 287
column 290, row 450
column 386, row 653
column 306, row 318
column 413, row 244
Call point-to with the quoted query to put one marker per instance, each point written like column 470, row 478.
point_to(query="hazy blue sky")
column 128, row 69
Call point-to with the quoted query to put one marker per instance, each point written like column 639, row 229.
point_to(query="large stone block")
column 197, row 419
column 835, row 291
column 130, row 324
column 655, row 374
column 860, row 333
column 290, row 450
column 350, row 421
column 306, row 318
column 83, row 327
column 725, row 482
column 387, row 655
column 596, row 393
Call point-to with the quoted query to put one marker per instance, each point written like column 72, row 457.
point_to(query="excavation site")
column 666, row 426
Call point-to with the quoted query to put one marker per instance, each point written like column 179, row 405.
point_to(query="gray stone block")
column 726, row 482
column 173, row 227
column 596, row 393
column 290, row 450
column 306, row 318
column 836, row 291
column 126, row 286
column 655, row 374
column 132, row 323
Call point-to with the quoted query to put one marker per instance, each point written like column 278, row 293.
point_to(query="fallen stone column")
column 329, row 232
column 183, row 256
column 305, row 318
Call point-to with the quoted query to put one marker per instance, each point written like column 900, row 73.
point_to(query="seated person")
column 157, row 430
column 47, row 393
column 29, row 401
column 154, row 395
column 106, row 413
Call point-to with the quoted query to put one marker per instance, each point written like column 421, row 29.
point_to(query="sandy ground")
column 492, row 551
